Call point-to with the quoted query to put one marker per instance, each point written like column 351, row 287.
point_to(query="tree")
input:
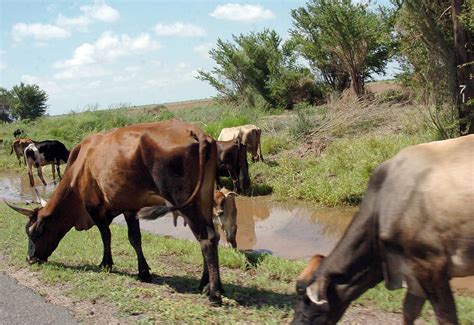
column 257, row 64
column 342, row 40
column 29, row 101
column 5, row 105
column 435, row 40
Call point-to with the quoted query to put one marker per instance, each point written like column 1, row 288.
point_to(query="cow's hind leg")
column 54, row 173
column 412, row 306
column 40, row 174
column 208, row 239
column 135, row 238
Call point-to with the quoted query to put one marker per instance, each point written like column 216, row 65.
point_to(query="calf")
column 49, row 152
column 19, row 146
column 225, row 214
column 232, row 161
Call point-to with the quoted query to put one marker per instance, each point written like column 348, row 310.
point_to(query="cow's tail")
column 156, row 211
column 11, row 151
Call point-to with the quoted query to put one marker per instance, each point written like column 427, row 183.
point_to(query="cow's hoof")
column 145, row 277
column 216, row 301
column 204, row 289
column 105, row 267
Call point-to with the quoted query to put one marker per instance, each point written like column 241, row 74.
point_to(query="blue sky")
column 134, row 52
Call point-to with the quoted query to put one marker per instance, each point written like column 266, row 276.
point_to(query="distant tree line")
column 336, row 45
column 22, row 102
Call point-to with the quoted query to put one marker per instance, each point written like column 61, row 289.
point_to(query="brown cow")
column 19, row 146
column 134, row 170
column 232, row 161
column 249, row 135
column 415, row 225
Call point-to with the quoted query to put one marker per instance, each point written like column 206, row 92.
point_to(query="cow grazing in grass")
column 249, row 135
column 414, row 226
column 134, row 170
column 232, row 161
column 19, row 146
column 41, row 153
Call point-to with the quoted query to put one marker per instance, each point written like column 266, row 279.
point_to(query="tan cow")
column 133, row 170
column 415, row 226
column 19, row 146
column 249, row 135
column 225, row 214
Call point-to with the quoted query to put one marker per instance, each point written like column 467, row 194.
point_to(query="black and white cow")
column 48, row 152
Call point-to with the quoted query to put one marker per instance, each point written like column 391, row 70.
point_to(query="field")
column 323, row 155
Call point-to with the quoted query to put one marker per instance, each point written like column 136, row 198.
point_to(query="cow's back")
column 110, row 168
column 426, row 200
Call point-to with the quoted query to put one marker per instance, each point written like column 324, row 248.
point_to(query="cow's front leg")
column 135, row 238
column 58, row 169
column 107, row 261
column 412, row 306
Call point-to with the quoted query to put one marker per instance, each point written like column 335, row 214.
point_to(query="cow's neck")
column 62, row 207
column 354, row 265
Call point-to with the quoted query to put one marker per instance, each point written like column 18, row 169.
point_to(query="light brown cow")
column 249, row 135
column 225, row 214
column 19, row 146
column 415, row 225
column 134, row 170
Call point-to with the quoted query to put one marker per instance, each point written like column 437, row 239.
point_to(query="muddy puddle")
column 294, row 231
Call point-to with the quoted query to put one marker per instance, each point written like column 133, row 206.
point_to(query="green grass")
column 337, row 177
column 258, row 289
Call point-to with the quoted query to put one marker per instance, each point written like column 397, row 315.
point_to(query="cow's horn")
column 26, row 212
column 312, row 293
column 42, row 202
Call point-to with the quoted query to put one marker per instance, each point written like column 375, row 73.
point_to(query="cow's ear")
column 316, row 292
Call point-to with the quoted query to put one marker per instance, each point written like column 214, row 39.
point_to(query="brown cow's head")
column 313, row 306
column 44, row 234
column 225, row 213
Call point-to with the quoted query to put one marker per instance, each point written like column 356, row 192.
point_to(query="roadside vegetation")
column 258, row 288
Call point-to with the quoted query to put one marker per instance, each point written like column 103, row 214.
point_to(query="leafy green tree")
column 435, row 62
column 257, row 64
column 29, row 101
column 342, row 39
column 5, row 105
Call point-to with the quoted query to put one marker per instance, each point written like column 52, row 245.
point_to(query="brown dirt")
column 313, row 146
column 101, row 312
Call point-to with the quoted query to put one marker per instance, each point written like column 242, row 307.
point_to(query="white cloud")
column 96, row 11
column 101, row 11
column 79, row 22
column 51, row 87
column 244, row 13
column 3, row 65
column 203, row 49
column 107, row 49
column 179, row 29
column 40, row 32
